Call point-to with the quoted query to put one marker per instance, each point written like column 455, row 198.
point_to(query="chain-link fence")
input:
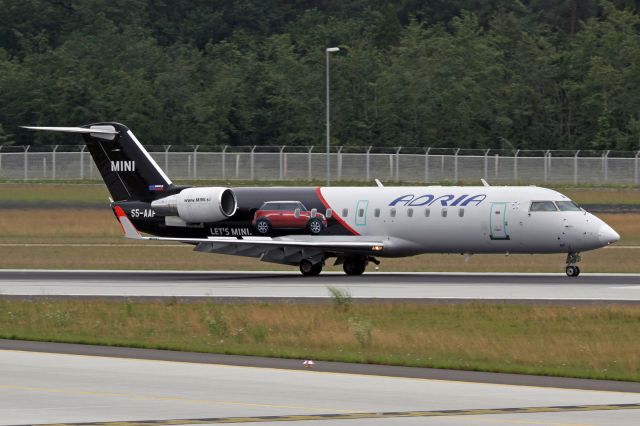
column 346, row 164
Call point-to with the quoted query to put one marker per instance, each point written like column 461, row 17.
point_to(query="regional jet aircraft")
column 307, row 227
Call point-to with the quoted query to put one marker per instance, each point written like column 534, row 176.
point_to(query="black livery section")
column 249, row 200
column 126, row 168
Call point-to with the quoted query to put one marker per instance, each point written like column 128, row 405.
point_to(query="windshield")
column 567, row 206
column 543, row 206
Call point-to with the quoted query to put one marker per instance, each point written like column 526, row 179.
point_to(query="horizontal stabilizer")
column 95, row 129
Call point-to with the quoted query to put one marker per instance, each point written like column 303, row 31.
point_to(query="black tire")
column 572, row 271
column 263, row 226
column 354, row 265
column 315, row 226
column 309, row 269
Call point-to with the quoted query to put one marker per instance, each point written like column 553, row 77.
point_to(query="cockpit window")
column 543, row 206
column 567, row 206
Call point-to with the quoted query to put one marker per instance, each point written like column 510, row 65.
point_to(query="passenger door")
column 498, row 229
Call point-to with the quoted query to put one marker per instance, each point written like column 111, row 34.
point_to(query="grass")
column 92, row 239
column 585, row 341
column 95, row 194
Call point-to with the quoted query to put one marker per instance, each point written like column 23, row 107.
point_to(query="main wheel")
column 263, row 226
column 572, row 271
column 315, row 226
column 309, row 269
column 354, row 265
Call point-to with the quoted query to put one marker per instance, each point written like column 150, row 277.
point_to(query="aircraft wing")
column 285, row 249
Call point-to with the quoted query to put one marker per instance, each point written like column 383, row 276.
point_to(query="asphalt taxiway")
column 374, row 285
column 47, row 388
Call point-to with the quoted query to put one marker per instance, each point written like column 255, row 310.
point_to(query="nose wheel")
column 572, row 270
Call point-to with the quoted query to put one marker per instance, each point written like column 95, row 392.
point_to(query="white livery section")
column 196, row 205
column 472, row 219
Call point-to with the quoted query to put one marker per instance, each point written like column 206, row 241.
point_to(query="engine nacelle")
column 198, row 205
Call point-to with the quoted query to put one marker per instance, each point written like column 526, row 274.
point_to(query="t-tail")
column 128, row 170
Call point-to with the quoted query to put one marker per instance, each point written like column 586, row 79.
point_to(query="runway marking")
column 352, row 416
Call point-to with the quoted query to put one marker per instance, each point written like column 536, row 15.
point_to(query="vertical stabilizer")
column 126, row 167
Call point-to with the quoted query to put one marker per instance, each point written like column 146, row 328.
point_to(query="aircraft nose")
column 607, row 235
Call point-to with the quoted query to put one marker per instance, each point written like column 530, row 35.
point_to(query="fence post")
column 605, row 164
column 224, row 162
column 195, row 162
column 237, row 165
column 53, row 162
column 547, row 153
column 166, row 158
column 309, row 174
column 575, row 167
column 515, row 166
column 26, row 162
column 368, row 163
column 426, row 164
column 1, row 146
column 281, row 173
column 486, row 164
column 398, row 164
column 496, row 165
column 82, row 162
column 455, row 166
column 339, row 162
column 251, row 163
column 635, row 168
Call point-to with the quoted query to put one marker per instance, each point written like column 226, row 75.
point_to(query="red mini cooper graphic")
column 287, row 215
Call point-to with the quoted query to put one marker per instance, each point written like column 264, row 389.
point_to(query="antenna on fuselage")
column 380, row 185
column 484, row 182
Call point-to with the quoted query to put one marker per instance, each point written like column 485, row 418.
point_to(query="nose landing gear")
column 572, row 270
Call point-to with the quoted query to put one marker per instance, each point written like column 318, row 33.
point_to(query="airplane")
column 308, row 226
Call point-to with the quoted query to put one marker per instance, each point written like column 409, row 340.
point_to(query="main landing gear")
column 310, row 269
column 352, row 265
column 572, row 269
column 355, row 265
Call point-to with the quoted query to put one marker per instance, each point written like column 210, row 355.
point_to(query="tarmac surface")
column 436, row 287
column 46, row 388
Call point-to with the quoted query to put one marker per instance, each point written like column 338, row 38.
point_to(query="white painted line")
column 289, row 272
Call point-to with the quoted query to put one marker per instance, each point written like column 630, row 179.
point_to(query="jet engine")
column 198, row 205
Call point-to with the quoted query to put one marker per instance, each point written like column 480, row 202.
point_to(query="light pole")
column 329, row 50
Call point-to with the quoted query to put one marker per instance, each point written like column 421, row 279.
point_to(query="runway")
column 259, row 284
column 46, row 388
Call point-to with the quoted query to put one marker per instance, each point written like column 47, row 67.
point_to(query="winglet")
column 484, row 182
column 129, row 229
column 380, row 185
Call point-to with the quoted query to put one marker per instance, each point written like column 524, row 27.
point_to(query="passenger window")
column 410, row 213
column 543, row 206
column 361, row 213
column 427, row 212
column 345, row 212
column 376, row 212
column 393, row 212
column 567, row 206
column 444, row 212
column 461, row 212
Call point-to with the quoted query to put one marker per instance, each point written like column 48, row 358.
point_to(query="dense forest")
column 531, row 74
